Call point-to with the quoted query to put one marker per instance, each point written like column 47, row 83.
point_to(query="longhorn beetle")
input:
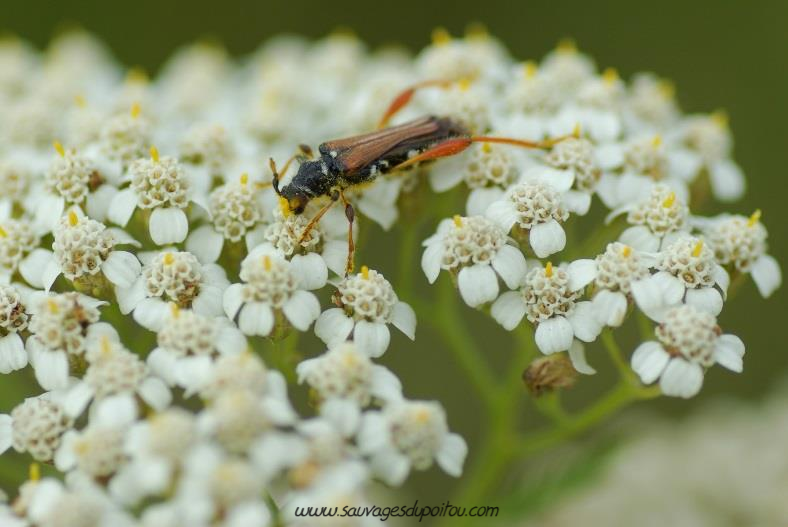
column 345, row 163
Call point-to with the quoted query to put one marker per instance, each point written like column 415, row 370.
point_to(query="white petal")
column 302, row 309
column 168, row 225
column 577, row 354
column 581, row 273
column 76, row 399
column 129, row 298
column 333, row 326
column 655, row 294
column 503, row 213
column 766, row 274
column 344, row 414
column 311, row 270
column 681, row 379
column 232, row 300
column 205, row 243
column 610, row 307
column 431, row 261
column 547, row 238
column 509, row 309
column 560, row 180
column 672, row 288
column 404, row 319
column 12, row 353
column 640, row 238
column 371, row 338
column 32, row 267
column 122, row 237
column 50, row 274
column 706, row 299
column 256, row 318
column 6, row 432
column 577, row 202
column 478, row 284
column 121, row 268
column 335, row 256
column 163, row 363
column 480, row 199
column 51, row 368
column 451, row 454
column 98, row 202
column 391, row 466
column 122, row 207
column 649, row 361
column 209, row 301
column 729, row 351
column 447, row 173
column 48, row 211
column 384, row 384
column 584, row 322
column 721, row 278
column 554, row 335
column 154, row 392
column 114, row 411
column 727, row 180
column 230, row 340
column 151, row 313
column 510, row 265
column 374, row 433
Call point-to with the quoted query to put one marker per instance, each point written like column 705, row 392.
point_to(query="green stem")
column 614, row 351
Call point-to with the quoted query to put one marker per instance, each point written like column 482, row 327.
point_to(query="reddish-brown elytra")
column 345, row 163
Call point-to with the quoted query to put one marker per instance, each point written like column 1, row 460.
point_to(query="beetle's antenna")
column 404, row 97
column 275, row 176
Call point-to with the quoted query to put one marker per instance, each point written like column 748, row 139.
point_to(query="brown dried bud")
column 549, row 373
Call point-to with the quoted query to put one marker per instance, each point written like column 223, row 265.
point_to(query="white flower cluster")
column 212, row 263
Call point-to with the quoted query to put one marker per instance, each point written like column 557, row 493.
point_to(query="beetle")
column 352, row 161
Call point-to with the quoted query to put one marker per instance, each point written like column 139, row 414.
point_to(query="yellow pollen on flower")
column 154, row 154
column 52, row 306
column 530, row 68
column 365, row 272
column 267, row 262
column 465, row 83
column 720, row 118
column 755, row 218
column 135, row 110
column 422, row 416
column 440, row 36
column 244, row 179
column 476, row 30
column 666, row 88
column 34, row 472
column 136, row 75
column 576, row 131
column 626, row 251
column 697, row 249
column 566, row 45
column 168, row 259
column 656, row 142
column 73, row 219
column 548, row 270
column 486, row 148
column 106, row 345
column 59, row 148
column 285, row 207
column 457, row 220
column 3, row 232
column 610, row 76
column 669, row 201
column 80, row 101
column 175, row 311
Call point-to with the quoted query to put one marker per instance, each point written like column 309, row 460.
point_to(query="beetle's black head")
column 307, row 183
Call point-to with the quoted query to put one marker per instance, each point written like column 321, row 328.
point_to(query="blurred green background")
column 721, row 54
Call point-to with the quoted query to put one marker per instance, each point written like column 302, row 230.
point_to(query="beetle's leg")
column 447, row 148
column 350, row 214
column 404, row 97
column 314, row 221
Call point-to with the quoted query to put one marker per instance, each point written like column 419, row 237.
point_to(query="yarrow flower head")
column 271, row 289
column 550, row 299
column 366, row 305
column 13, row 320
column 688, row 341
column 160, row 184
column 616, row 269
column 410, row 435
column 739, row 243
column 476, row 251
column 656, row 220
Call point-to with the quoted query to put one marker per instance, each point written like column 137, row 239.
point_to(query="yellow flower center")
column 548, row 270
column 59, row 148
